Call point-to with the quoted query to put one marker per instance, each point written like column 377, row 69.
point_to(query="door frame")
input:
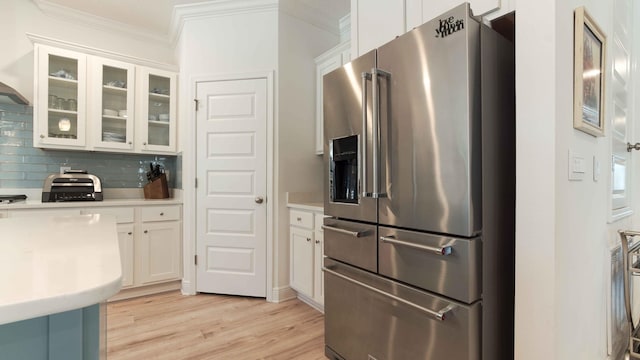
column 189, row 167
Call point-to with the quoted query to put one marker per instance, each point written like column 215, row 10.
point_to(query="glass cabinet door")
column 114, row 97
column 60, row 103
column 158, row 111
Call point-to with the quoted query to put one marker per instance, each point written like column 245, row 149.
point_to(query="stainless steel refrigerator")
column 420, row 169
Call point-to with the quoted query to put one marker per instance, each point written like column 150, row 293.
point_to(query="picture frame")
column 589, row 74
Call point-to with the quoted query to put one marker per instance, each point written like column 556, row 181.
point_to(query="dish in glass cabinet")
column 62, row 73
column 160, row 91
column 110, row 112
column 163, row 117
column 117, row 83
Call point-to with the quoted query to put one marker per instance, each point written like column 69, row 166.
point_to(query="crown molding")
column 43, row 40
column 97, row 22
column 311, row 15
column 212, row 9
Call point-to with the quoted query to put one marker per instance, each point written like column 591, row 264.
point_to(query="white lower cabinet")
column 126, row 242
column 149, row 237
column 306, row 255
column 302, row 260
column 159, row 252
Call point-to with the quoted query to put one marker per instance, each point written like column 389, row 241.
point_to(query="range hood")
column 9, row 95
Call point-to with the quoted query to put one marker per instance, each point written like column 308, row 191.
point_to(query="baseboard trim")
column 307, row 300
column 282, row 293
column 145, row 290
column 188, row 288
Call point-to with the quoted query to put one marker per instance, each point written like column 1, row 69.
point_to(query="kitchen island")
column 56, row 271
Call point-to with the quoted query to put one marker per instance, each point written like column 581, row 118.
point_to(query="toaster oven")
column 71, row 187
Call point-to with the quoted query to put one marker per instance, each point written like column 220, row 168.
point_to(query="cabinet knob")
column 259, row 200
column 317, row 241
column 41, row 136
column 299, row 219
column 161, row 214
column 144, row 143
column 308, row 239
column 146, row 231
column 130, row 143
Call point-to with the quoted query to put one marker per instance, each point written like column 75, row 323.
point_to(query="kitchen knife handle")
column 438, row 250
column 343, row 231
column 363, row 153
column 436, row 314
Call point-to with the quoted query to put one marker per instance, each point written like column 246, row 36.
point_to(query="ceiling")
column 154, row 16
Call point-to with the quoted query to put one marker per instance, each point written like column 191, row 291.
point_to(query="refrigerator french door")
column 419, row 191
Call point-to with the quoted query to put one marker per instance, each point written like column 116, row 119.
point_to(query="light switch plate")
column 577, row 166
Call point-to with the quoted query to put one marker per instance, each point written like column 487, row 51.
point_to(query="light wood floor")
column 176, row 327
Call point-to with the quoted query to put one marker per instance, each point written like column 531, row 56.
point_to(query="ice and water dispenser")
column 343, row 171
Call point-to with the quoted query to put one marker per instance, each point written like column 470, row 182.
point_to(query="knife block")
column 157, row 189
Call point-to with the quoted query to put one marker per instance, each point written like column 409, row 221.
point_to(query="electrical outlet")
column 64, row 168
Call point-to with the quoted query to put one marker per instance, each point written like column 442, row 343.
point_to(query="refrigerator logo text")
column 449, row 26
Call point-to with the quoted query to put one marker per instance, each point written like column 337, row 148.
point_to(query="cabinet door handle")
column 317, row 241
column 129, row 233
column 144, row 143
column 129, row 143
column 308, row 239
column 146, row 231
column 41, row 136
column 299, row 219
column 161, row 214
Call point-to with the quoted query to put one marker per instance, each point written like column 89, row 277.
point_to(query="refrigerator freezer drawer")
column 370, row 317
column 351, row 242
column 445, row 265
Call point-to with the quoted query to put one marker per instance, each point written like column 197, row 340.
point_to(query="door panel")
column 430, row 129
column 231, row 162
column 342, row 93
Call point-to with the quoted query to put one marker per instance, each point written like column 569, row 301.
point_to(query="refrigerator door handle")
column 363, row 152
column 375, row 73
column 436, row 314
column 438, row 250
column 345, row 232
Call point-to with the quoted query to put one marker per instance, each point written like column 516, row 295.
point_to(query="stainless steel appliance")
column 420, row 162
column 72, row 187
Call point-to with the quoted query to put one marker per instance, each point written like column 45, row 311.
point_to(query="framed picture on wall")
column 589, row 70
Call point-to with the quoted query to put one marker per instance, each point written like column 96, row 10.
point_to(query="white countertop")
column 56, row 264
column 313, row 201
column 38, row 204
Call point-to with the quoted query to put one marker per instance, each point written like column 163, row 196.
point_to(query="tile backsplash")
column 23, row 166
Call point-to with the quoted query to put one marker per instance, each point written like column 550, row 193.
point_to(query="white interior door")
column 231, row 213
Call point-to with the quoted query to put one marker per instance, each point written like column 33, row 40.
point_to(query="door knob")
column 635, row 146
column 259, row 200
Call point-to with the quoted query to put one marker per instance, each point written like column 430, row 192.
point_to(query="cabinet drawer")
column 301, row 218
column 122, row 214
column 160, row 213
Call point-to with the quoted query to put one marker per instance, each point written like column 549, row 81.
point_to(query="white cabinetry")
column 157, row 111
column 376, row 22
column 60, row 98
column 150, row 243
column 3, row 214
column 305, row 235
column 126, row 237
column 89, row 102
column 160, row 244
column 325, row 63
column 112, row 104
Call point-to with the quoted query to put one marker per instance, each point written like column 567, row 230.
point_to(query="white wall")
column 563, row 234
column 22, row 16
column 299, row 169
column 217, row 47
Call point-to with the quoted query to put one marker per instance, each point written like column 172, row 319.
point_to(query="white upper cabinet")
column 376, row 22
column 60, row 98
column 113, row 104
column 89, row 102
column 157, row 111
